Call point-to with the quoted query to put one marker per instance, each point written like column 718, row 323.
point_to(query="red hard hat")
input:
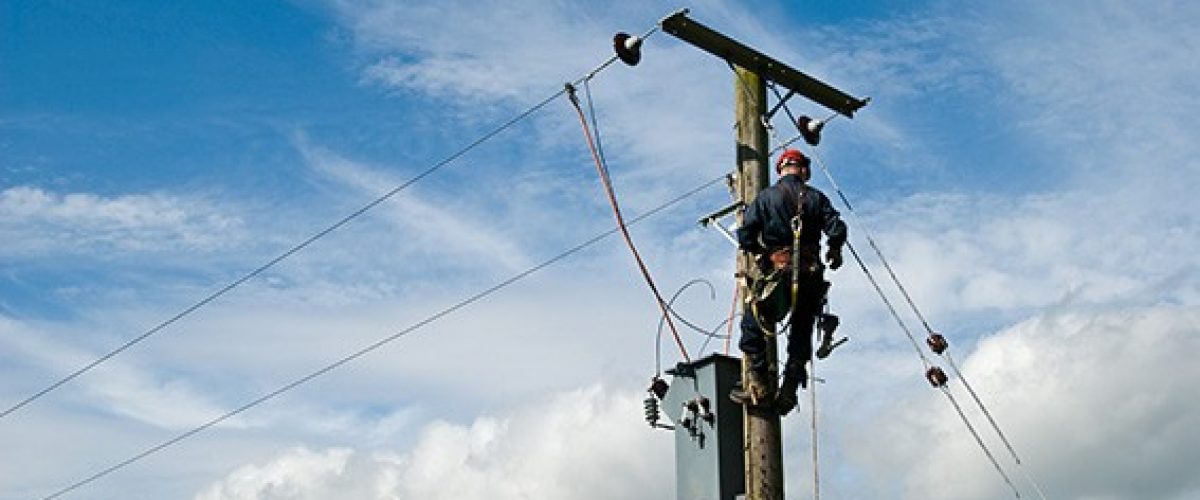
column 791, row 154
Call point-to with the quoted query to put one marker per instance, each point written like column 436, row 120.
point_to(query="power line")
column 916, row 346
column 320, row 234
column 357, row 354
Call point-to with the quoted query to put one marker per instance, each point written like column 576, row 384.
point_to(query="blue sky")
column 1028, row 168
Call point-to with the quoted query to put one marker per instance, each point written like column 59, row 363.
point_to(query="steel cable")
column 305, row 243
column 908, row 333
column 357, row 354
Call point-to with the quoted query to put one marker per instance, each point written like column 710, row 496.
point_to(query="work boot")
column 827, row 323
column 786, row 400
column 752, row 392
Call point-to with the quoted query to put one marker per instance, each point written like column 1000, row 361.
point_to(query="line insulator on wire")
column 628, row 48
column 937, row 343
column 936, row 376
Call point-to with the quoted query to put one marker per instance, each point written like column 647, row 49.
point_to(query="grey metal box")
column 709, row 456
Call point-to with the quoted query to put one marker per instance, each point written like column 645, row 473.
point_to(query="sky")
column 1028, row 169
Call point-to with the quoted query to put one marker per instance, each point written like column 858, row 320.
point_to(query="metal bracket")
column 714, row 220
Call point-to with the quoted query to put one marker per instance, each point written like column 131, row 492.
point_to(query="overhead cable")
column 908, row 333
column 945, row 353
column 380, row 343
column 303, row 244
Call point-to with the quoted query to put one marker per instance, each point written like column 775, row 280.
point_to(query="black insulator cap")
column 628, row 52
column 810, row 130
column 658, row 387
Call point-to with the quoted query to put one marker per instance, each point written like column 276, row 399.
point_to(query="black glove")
column 834, row 257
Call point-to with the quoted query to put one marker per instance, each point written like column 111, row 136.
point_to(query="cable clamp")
column 937, row 343
column 936, row 377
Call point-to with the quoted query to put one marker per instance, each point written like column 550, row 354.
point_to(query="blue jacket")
column 767, row 223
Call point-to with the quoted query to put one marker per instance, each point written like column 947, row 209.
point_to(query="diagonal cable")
column 320, row 234
column 904, row 327
column 380, row 343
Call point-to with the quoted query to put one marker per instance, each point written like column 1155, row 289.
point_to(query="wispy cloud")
column 1088, row 251
column 34, row 221
column 120, row 387
column 443, row 230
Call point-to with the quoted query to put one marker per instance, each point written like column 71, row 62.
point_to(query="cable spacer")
column 937, row 343
column 936, row 376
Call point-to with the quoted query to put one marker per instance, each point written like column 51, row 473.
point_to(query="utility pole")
column 763, row 440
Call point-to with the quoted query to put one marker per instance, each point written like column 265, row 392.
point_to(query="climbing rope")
column 602, row 170
column 812, row 395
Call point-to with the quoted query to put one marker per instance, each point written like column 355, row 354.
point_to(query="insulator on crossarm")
column 810, row 129
column 937, row 343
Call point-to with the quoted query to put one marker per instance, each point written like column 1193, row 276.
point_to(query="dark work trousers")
column 772, row 309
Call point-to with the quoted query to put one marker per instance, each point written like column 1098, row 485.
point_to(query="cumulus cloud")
column 572, row 447
column 1096, row 402
column 1110, row 238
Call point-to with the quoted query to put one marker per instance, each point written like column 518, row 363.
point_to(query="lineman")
column 782, row 228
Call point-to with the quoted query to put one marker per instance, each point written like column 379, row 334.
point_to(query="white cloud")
column 571, row 447
column 1110, row 238
column 34, row 221
column 119, row 387
column 661, row 128
column 1096, row 402
column 443, row 229
column 1114, row 89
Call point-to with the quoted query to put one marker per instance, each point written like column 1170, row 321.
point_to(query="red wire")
column 612, row 201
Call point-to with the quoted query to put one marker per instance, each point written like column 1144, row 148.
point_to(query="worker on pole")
column 782, row 229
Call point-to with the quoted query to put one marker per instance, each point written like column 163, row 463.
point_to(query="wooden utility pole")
column 763, row 440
